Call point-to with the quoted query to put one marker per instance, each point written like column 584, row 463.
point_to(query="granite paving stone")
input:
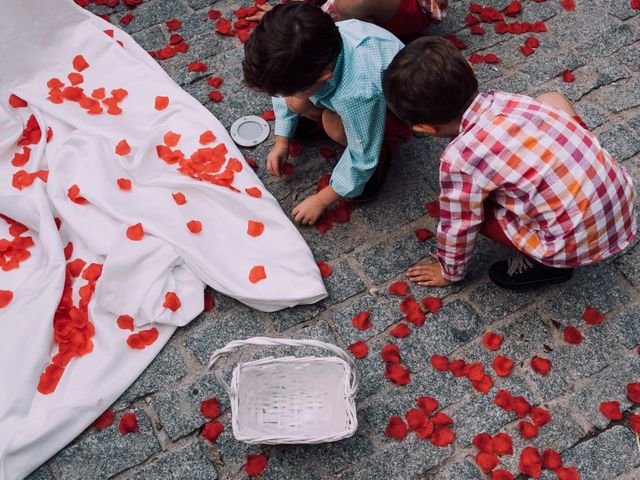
column 188, row 463
column 620, row 142
column 464, row 470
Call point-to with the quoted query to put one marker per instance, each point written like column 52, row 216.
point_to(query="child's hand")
column 428, row 275
column 308, row 211
column 277, row 156
column 262, row 9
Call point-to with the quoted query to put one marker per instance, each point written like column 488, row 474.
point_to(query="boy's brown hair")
column 429, row 82
column 290, row 48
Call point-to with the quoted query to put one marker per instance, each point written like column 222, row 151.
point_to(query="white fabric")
column 38, row 42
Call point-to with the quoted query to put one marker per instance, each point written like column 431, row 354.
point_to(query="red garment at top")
column 409, row 18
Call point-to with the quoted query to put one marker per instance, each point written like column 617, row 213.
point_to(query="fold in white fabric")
column 38, row 43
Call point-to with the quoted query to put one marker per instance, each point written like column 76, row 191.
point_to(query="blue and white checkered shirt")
column 354, row 93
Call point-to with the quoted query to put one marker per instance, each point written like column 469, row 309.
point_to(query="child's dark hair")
column 290, row 48
column 429, row 81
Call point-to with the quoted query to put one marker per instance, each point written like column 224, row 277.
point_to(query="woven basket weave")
column 291, row 399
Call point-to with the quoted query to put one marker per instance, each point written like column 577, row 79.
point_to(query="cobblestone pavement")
column 600, row 42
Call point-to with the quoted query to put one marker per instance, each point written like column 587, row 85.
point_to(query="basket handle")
column 267, row 341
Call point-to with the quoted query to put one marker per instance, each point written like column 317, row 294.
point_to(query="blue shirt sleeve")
column 364, row 124
column 286, row 120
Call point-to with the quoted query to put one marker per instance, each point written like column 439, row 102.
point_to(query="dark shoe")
column 308, row 131
column 521, row 273
column 374, row 186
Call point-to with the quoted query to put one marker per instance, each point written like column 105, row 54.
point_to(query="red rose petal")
column 325, row 269
column 255, row 465
column 458, row 368
column 74, row 195
column 433, row 208
column 268, row 115
column 484, row 385
column 441, row 419
column 591, row 316
column 474, row 372
column 400, row 331
column 128, row 423
column 173, row 24
column 194, row 226
column 396, row 428
column 16, row 102
column 635, row 4
column 124, row 184
column 105, row 420
column 295, row 149
column 423, row 234
column 253, row 192
column 501, row 475
column 442, row 437
column 416, row 419
column 211, row 431
column 567, row 473
column 428, row 404
column 215, row 82
column 502, row 366
column 123, row 148
column 398, row 374
column 362, row 320
column 520, row 406
column 432, row 304
column 528, row 430
column 492, row 341
column 530, row 462
column 390, row 353
column 135, row 232
column 210, row 408
column 215, row 96
column 568, row 76
column 171, row 301
column 634, row 422
column 197, row 67
column 359, row 349
column 5, row 298
column 207, row 137
column 125, row 322
column 611, row 410
column 148, row 336
column 503, row 444
column 504, row 400
column 633, row 392
column 572, row 335
column 483, row 442
column 179, row 198
column 257, row 274
column 569, row 5
column 541, row 365
column 551, row 459
column 161, row 103
column 126, row 19
column 209, row 302
column 440, row 363
column 287, row 169
column 540, row 416
column 487, row 461
column 399, row 288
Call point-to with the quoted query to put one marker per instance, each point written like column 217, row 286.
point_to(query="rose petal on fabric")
column 390, row 353
column 257, row 274
column 502, row 366
column 432, row 304
column 521, row 407
column 17, row 102
column 487, row 461
column 135, row 232
column 253, row 192
column 551, row 459
column 256, row 464
column 359, row 349
column 75, row 267
column 568, row 473
column 125, row 322
column 591, row 316
column 527, row 430
column 5, row 298
column 397, row 373
column 540, row 416
column 128, row 423
column 134, row 341
column 75, row 78
column 484, row 442
column 194, row 226
column 572, row 335
column 124, row 184
column 633, row 392
column 428, row 404
column 210, row 408
column 68, row 251
column 325, row 269
column 501, row 475
column 179, row 198
column 492, row 341
column 149, row 336
column 123, row 148
column 207, row 137
column 634, row 422
column 105, row 420
column 172, row 301
column 362, row 320
column 503, row 444
column 21, row 159
column 161, row 102
column 530, row 462
column 541, row 365
column 440, row 363
column 211, row 431
column 400, row 331
column 442, row 437
column 173, row 24
column 423, row 234
column 568, row 76
column 611, row 410
column 396, row 428
column 171, row 139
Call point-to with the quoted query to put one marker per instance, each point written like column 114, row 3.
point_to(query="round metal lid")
column 249, row 131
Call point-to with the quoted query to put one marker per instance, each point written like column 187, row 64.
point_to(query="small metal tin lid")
column 249, row 131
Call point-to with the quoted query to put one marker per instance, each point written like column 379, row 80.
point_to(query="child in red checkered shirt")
column 525, row 172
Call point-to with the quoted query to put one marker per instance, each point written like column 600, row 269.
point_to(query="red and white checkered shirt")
column 562, row 199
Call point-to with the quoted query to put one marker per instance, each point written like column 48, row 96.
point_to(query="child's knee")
column 557, row 100
column 332, row 124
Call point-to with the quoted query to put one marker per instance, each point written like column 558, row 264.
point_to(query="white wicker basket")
column 291, row 399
